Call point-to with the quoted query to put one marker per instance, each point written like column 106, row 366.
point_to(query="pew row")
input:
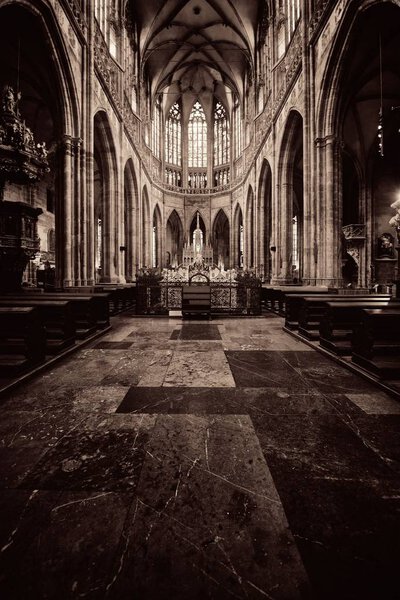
column 341, row 318
column 312, row 310
column 274, row 298
column 376, row 342
column 22, row 339
column 57, row 318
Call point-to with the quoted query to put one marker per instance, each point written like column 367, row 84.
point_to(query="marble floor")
column 193, row 460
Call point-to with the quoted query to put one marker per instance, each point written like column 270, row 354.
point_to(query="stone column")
column 77, row 238
column 329, row 226
column 64, row 218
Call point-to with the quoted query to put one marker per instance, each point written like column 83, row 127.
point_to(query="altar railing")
column 241, row 297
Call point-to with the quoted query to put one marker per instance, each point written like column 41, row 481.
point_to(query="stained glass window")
column 197, row 137
column 173, row 136
column 221, row 136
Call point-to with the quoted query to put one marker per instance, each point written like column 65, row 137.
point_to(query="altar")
column 232, row 291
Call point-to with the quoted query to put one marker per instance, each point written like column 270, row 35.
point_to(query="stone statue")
column 385, row 246
column 10, row 100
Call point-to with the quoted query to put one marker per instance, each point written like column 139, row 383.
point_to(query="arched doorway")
column 174, row 240
column 221, row 240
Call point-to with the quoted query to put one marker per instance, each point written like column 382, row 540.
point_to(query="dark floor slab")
column 197, row 331
column 317, row 445
column 214, row 400
column 206, row 517
column 325, row 374
column 55, row 545
column 261, row 368
column 348, row 534
column 175, row 334
column 102, row 460
column 113, row 345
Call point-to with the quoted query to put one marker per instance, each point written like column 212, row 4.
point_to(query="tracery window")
column 221, row 136
column 173, row 136
column 156, row 129
column 197, row 137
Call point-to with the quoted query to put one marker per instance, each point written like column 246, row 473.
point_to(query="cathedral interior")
column 200, row 299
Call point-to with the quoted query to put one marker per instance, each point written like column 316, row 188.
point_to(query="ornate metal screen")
column 237, row 298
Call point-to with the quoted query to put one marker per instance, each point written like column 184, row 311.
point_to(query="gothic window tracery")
column 173, row 136
column 197, row 137
column 221, row 136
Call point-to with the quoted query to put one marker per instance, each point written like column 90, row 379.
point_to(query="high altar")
column 233, row 291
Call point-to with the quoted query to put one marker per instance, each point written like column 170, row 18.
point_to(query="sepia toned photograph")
column 199, row 299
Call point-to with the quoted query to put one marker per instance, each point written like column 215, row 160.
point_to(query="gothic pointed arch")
column 156, row 242
column 107, row 246
column 49, row 106
column 360, row 85
column 174, row 240
column 249, row 229
column 238, row 238
column 290, row 206
column 193, row 226
column 130, row 221
column 264, row 211
column 145, row 230
column 221, row 239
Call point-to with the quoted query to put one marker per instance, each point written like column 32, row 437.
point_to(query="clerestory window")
column 221, row 136
column 173, row 136
column 197, row 137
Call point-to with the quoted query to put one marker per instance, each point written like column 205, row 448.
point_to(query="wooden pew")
column 339, row 320
column 22, row 339
column 275, row 297
column 121, row 297
column 312, row 310
column 293, row 304
column 99, row 304
column 83, row 308
column 57, row 319
column 376, row 342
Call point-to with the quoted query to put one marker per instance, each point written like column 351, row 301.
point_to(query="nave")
column 199, row 459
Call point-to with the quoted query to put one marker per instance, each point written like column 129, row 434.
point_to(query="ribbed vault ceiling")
column 197, row 46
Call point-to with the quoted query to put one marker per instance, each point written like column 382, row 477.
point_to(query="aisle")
column 193, row 460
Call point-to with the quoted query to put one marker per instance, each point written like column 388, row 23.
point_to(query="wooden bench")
column 196, row 299
column 121, row 297
column 312, row 310
column 376, row 342
column 99, row 304
column 22, row 339
column 339, row 320
column 275, row 297
column 56, row 316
